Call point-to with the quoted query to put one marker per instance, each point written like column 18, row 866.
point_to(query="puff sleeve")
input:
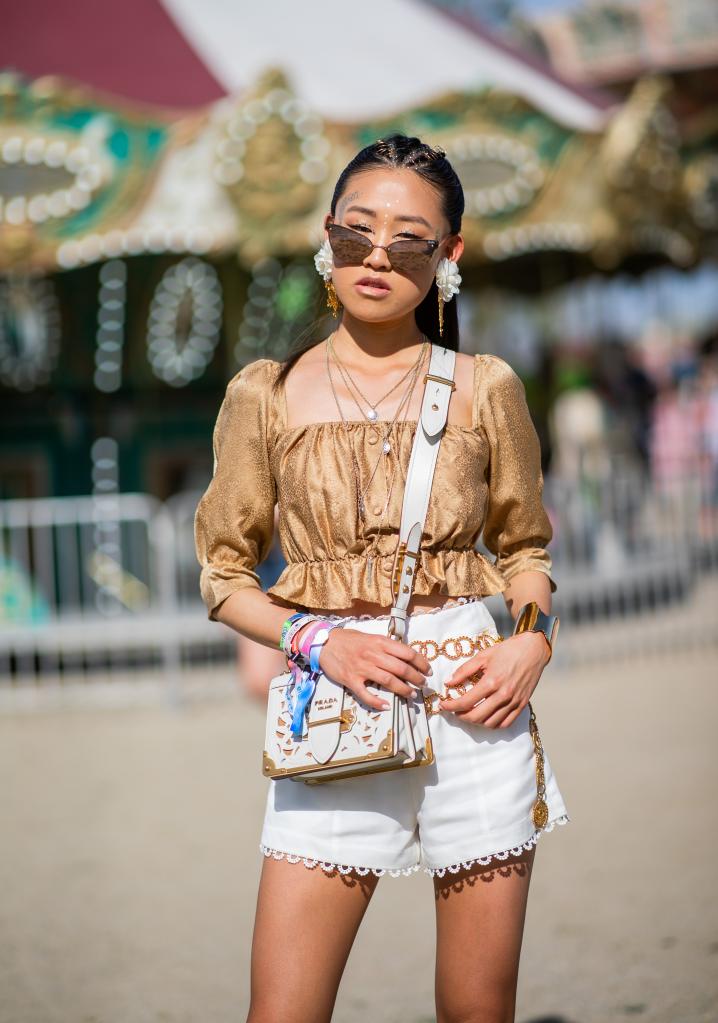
column 234, row 520
column 516, row 527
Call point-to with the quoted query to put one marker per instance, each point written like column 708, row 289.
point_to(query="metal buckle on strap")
column 440, row 380
column 401, row 553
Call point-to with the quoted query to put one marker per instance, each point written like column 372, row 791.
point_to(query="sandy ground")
column 129, row 863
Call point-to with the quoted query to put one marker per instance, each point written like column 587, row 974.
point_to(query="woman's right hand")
column 354, row 658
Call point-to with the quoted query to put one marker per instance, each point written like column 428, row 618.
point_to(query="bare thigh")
column 304, row 929
column 480, row 914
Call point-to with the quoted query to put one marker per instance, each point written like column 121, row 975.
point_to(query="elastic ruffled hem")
column 333, row 584
column 454, row 868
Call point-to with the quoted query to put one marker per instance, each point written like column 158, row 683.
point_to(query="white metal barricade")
column 105, row 588
column 90, row 589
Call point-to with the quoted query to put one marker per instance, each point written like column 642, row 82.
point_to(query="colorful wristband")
column 287, row 626
column 304, row 642
column 297, row 622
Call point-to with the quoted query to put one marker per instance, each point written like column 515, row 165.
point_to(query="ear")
column 454, row 247
column 327, row 218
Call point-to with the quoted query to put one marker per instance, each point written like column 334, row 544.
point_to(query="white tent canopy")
column 353, row 62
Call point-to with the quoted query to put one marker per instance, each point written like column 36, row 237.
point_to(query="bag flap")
column 324, row 718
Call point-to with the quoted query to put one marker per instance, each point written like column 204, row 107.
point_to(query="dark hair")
column 402, row 151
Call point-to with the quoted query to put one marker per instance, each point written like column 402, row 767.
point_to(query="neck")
column 359, row 341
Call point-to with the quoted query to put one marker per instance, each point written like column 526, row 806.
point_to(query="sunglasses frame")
column 430, row 243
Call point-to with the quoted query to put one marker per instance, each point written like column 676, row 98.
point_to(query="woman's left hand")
column 509, row 672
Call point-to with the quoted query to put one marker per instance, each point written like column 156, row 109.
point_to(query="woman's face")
column 386, row 205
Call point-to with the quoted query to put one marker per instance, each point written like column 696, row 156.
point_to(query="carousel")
column 152, row 243
column 143, row 254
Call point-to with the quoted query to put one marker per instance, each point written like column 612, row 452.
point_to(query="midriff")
column 418, row 602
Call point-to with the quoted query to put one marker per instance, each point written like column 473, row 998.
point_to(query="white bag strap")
column 439, row 386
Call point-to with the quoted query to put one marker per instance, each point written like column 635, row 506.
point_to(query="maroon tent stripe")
column 130, row 48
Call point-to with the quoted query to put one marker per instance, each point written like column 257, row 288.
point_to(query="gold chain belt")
column 456, row 647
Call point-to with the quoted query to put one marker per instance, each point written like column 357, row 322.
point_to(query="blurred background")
column 164, row 170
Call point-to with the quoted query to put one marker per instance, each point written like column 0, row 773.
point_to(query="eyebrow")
column 402, row 219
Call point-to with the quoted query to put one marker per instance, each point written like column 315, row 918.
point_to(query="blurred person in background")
column 708, row 387
column 628, row 393
column 676, row 447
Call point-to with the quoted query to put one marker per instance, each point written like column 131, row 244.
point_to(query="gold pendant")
column 540, row 814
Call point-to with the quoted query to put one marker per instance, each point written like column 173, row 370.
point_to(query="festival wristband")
column 304, row 642
column 319, row 641
column 288, row 641
column 287, row 625
column 299, row 692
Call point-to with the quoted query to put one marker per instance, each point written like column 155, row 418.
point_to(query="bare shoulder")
column 308, row 363
column 307, row 390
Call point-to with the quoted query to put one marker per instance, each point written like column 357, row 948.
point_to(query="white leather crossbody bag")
column 342, row 737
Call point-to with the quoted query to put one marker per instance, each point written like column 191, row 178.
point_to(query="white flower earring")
column 323, row 261
column 448, row 280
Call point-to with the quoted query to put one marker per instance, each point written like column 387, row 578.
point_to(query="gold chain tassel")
column 332, row 298
column 539, row 812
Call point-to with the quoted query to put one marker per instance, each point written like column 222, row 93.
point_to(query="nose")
column 377, row 259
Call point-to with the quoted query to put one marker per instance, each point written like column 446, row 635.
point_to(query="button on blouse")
column 487, row 480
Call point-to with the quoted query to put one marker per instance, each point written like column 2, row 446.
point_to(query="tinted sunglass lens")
column 410, row 255
column 348, row 246
column 352, row 248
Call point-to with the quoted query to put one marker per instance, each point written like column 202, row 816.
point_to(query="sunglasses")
column 352, row 248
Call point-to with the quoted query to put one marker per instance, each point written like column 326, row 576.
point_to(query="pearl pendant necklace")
column 372, row 414
column 386, row 447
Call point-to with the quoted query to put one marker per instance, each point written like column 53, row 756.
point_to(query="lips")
column 373, row 282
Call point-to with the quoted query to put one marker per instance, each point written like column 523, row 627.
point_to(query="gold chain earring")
column 333, row 302
column 448, row 280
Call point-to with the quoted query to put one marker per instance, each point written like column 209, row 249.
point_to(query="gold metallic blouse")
column 487, row 477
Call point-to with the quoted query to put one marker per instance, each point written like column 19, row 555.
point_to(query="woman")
column 328, row 435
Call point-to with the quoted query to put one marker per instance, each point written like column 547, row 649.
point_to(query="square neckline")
column 282, row 427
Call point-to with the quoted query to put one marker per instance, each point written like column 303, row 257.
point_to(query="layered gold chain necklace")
column 370, row 412
column 386, row 448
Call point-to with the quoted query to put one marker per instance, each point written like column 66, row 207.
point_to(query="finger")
column 391, row 682
column 368, row 698
column 476, row 665
column 510, row 718
column 486, row 709
column 458, row 703
column 403, row 670
column 399, row 649
column 499, row 718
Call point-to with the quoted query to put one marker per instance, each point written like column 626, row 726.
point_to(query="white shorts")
column 473, row 804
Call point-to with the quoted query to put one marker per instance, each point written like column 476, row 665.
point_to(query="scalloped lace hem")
column 454, row 868
column 343, row 868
